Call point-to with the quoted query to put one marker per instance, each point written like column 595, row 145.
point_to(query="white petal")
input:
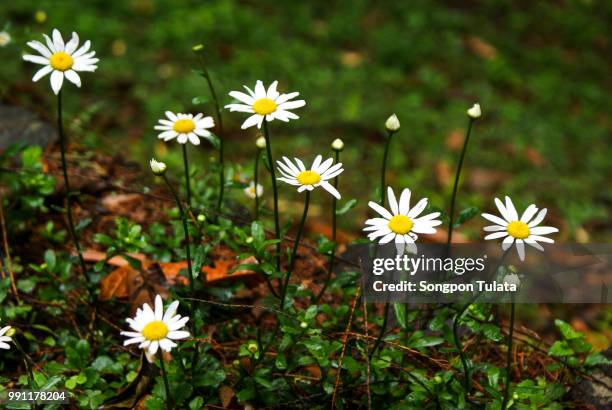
column 520, row 248
column 167, row 344
column 539, row 218
column 260, row 91
column 57, row 78
column 512, row 214
column 42, row 72
column 255, row 119
column 40, row 47
column 170, row 311
column 82, row 50
column 387, row 238
column 177, row 324
column 392, row 201
column 36, row 59
column 290, row 105
column 496, row 235
column 316, row 163
column 543, row 230
column 494, row 228
column 72, row 44
column 531, row 242
column 330, row 188
column 167, row 135
column 502, row 209
column 178, row 334
column 58, row 41
column 507, row 242
column 381, row 211
column 182, row 139
column 153, row 347
column 541, row 238
column 73, row 77
column 193, row 138
column 242, row 97
column 272, row 93
column 495, row 219
column 4, row 346
column 159, row 308
column 418, row 208
column 529, row 213
column 404, row 202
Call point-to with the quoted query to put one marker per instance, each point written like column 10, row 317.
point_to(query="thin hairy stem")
column 187, row 180
column 509, row 354
column 165, row 377
column 294, row 251
column 256, row 182
column 451, row 215
column 332, row 255
column 71, row 229
column 384, row 168
column 275, row 191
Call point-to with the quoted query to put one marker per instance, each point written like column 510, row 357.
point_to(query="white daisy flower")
column 308, row 179
column 185, row 127
column 250, row 190
column 402, row 223
column 157, row 167
column 265, row 104
column 4, row 339
column 156, row 329
column 523, row 230
column 62, row 59
column 5, row 38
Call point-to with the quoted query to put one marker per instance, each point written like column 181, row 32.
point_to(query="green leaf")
column 560, row 348
column 400, row 314
column 427, row 342
column 567, row 331
column 465, row 215
column 350, row 204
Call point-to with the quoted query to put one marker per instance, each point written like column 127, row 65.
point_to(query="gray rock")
column 17, row 125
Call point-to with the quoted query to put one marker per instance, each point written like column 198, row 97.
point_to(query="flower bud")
column 5, row 38
column 252, row 347
column 337, row 145
column 158, row 168
column 198, row 47
column 303, row 325
column 392, row 124
column 261, row 142
column 512, row 279
column 474, row 112
column 201, row 218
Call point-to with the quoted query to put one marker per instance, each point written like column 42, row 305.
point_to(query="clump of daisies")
column 62, row 59
column 401, row 223
column 518, row 231
column 154, row 329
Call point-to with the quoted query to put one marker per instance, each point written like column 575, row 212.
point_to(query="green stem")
column 187, row 181
column 467, row 382
column 28, row 369
column 456, row 183
column 221, row 136
column 509, row 355
column 384, row 169
column 383, row 329
column 294, row 251
column 275, row 191
column 165, row 377
column 179, row 203
column 71, row 229
column 332, row 255
column 256, row 182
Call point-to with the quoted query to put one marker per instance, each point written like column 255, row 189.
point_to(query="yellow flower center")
column 61, row 61
column 518, row 229
column 264, row 106
column 400, row 224
column 155, row 330
column 183, row 126
column 308, row 177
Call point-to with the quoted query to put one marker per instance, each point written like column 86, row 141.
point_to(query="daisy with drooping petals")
column 402, row 223
column 185, row 127
column 262, row 104
column 308, row 179
column 523, row 230
column 253, row 193
column 5, row 340
column 62, row 59
column 154, row 329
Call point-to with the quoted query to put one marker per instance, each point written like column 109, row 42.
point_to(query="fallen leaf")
column 534, row 157
column 226, row 394
column 454, row 139
column 481, row 48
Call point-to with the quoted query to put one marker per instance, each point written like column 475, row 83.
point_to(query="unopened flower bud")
column 252, row 347
column 392, row 124
column 201, row 218
column 261, row 142
column 5, row 38
column 474, row 112
column 158, row 168
column 512, row 279
column 198, row 47
column 337, row 145
column 303, row 325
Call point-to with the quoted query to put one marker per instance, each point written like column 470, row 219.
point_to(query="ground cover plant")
column 184, row 234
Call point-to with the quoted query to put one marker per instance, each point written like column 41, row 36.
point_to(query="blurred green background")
column 540, row 70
